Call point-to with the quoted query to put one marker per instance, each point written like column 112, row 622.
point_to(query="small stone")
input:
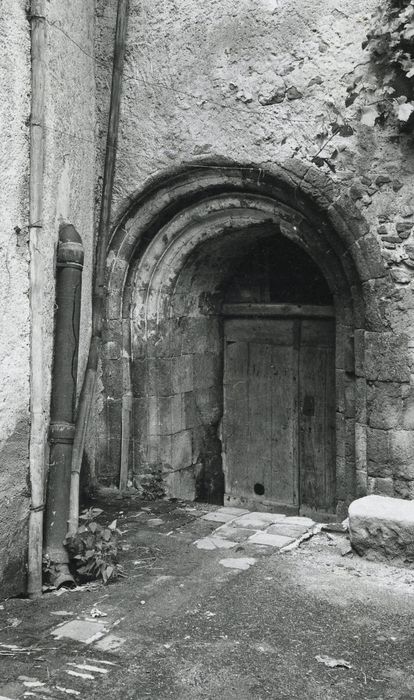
column 403, row 226
column 382, row 230
column 396, row 185
column 345, row 548
column 406, row 211
column 409, row 263
column 293, row 93
column 400, row 276
column 244, row 96
column 357, row 191
column 272, row 93
column 204, row 148
column 382, row 179
column 317, row 80
column 409, row 249
column 391, row 239
column 366, row 199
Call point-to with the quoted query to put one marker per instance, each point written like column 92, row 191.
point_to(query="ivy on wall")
column 388, row 91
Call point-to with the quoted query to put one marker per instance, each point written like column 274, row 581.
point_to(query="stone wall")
column 177, row 408
column 258, row 84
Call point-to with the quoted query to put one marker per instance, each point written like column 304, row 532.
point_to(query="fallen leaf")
column 368, row 115
column 68, row 691
column 333, row 663
column 33, row 684
column 405, row 110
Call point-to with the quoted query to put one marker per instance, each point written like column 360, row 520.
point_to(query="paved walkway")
column 218, row 603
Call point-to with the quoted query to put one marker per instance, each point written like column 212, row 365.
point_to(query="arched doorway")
column 171, row 274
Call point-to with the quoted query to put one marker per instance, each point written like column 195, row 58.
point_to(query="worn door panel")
column 279, row 411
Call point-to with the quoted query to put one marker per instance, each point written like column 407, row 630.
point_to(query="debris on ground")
column 332, row 663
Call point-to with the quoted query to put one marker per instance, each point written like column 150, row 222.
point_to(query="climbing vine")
column 388, row 91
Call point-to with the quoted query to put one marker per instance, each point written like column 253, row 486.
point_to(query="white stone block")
column 381, row 527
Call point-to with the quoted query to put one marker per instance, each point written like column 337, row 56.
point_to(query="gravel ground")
column 183, row 626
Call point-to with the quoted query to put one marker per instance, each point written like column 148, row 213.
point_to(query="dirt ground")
column 183, row 625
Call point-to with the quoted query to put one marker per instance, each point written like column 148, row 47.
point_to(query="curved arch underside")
column 174, row 247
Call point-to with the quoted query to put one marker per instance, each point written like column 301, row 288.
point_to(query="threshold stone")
column 381, row 527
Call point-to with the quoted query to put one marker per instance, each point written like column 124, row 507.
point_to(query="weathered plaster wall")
column 14, row 290
column 260, row 82
column 68, row 195
column 70, row 149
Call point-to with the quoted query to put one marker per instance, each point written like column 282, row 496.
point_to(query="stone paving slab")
column 231, row 510
column 287, row 529
column 217, row 516
column 277, row 541
column 300, row 520
column 86, row 631
column 240, row 563
column 237, row 534
column 257, row 521
column 213, row 542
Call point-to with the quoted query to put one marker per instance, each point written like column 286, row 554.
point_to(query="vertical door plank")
column 317, row 415
column 283, row 477
column 258, row 465
column 236, row 412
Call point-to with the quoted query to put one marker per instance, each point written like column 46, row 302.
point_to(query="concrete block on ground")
column 382, row 527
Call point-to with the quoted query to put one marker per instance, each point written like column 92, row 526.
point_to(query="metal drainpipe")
column 62, row 418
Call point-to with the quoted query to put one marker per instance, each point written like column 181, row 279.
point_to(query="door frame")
column 276, row 311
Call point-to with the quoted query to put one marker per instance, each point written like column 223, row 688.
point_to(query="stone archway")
column 173, row 247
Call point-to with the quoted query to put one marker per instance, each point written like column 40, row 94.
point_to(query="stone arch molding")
column 161, row 228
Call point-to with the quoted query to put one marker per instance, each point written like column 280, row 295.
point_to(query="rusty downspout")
column 88, row 388
column 62, row 412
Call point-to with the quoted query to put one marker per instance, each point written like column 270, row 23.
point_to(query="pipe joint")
column 70, row 251
column 61, row 432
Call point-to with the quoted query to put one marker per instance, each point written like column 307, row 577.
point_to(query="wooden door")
column 278, row 423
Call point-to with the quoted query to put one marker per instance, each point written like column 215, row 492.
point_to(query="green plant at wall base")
column 389, row 90
column 94, row 548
